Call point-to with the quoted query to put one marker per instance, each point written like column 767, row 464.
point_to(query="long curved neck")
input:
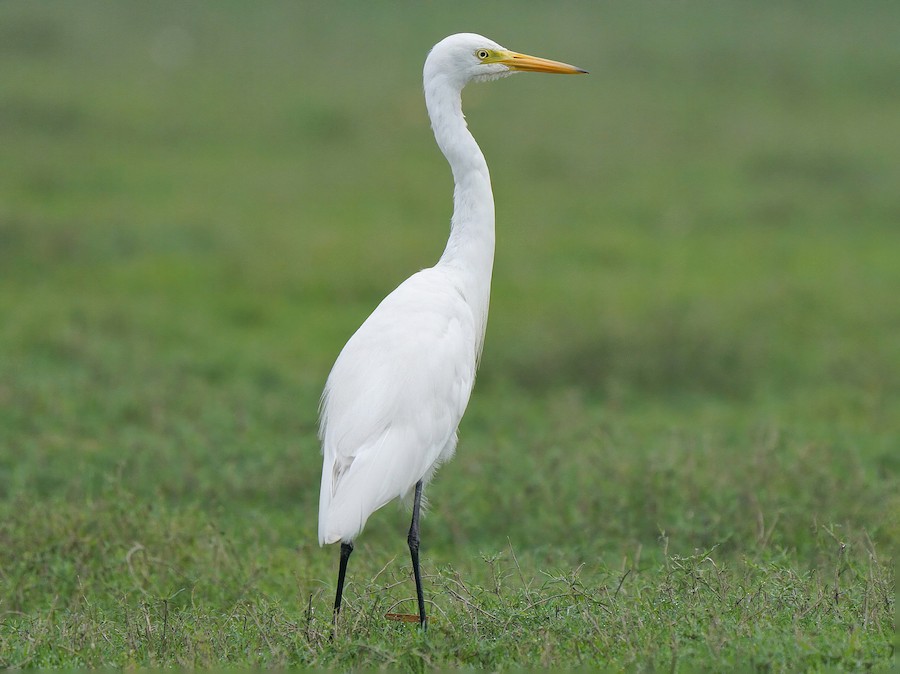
column 470, row 248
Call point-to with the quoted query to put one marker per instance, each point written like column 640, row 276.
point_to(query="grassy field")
column 683, row 449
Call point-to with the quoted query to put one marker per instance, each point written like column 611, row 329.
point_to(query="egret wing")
column 393, row 401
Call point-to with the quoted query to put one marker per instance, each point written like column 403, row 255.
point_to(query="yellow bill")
column 536, row 64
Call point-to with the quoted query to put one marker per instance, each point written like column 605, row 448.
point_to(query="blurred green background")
column 695, row 313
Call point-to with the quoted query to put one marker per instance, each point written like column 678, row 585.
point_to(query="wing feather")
column 394, row 399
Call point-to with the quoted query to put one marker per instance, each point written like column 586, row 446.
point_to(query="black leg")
column 346, row 549
column 413, row 540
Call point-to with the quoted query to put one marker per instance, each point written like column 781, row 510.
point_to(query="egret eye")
column 482, row 54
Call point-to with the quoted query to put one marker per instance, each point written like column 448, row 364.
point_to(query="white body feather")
column 394, row 400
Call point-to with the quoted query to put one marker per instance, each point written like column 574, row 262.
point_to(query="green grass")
column 682, row 450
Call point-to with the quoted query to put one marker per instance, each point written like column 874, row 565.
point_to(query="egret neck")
column 470, row 248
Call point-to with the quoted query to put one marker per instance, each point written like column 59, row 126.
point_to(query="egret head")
column 467, row 57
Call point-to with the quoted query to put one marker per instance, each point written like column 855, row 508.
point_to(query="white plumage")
column 399, row 387
column 394, row 399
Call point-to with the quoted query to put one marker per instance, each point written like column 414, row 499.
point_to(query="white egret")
column 398, row 389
